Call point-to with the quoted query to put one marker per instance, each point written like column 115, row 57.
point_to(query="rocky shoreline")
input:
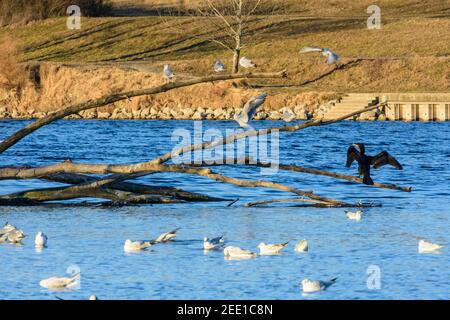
column 151, row 113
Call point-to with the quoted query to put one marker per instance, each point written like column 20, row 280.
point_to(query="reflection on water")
column 92, row 238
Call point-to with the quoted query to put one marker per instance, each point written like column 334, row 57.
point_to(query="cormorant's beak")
column 356, row 146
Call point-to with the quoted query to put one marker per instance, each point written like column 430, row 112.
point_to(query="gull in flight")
column 301, row 246
column 357, row 215
column 40, row 241
column 167, row 236
column 288, row 116
column 331, row 56
column 231, row 252
column 212, row 244
column 56, row 283
column 247, row 63
column 219, row 66
column 428, row 247
column 270, row 249
column 133, row 246
column 310, row 286
column 168, row 73
column 249, row 110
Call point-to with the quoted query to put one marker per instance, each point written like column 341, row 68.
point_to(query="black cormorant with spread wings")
column 356, row 152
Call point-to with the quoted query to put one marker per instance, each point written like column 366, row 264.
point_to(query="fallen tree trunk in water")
column 139, row 188
column 114, row 187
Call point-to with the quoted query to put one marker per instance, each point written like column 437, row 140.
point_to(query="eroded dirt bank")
column 53, row 86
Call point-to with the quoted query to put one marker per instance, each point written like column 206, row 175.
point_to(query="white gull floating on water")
column 270, row 249
column 309, row 286
column 134, row 246
column 214, row 243
column 301, row 246
column 232, row 252
column 40, row 241
column 357, row 216
column 60, row 283
column 428, row 247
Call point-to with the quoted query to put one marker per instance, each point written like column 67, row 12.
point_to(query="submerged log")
column 81, row 191
column 176, row 193
column 302, row 200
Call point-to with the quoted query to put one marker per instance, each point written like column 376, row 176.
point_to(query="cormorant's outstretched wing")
column 384, row 158
column 352, row 155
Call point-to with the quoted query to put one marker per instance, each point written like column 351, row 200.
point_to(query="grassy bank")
column 409, row 54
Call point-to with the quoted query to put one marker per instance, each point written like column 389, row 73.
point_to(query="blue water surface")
column 92, row 237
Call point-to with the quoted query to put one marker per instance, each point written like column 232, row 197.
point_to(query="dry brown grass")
column 13, row 75
column 24, row 11
column 318, row 8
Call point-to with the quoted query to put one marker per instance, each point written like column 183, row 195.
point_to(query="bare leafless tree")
column 226, row 22
column 232, row 16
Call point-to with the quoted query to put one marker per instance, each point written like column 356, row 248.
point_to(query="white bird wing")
column 310, row 49
column 167, row 236
column 250, row 108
